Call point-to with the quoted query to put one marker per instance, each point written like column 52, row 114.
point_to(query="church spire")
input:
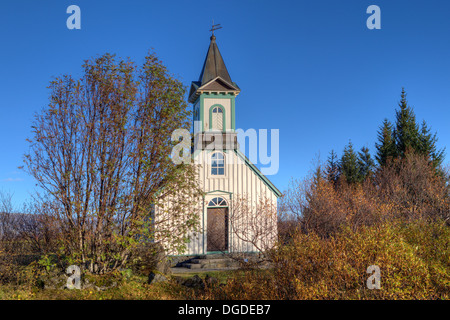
column 214, row 76
column 214, row 66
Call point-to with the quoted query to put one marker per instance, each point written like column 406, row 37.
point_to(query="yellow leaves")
column 311, row 267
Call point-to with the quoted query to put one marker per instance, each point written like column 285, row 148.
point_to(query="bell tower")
column 213, row 98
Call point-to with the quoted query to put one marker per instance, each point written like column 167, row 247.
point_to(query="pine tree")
column 409, row 136
column 318, row 176
column 349, row 164
column 386, row 148
column 406, row 133
column 428, row 146
column 332, row 169
column 366, row 164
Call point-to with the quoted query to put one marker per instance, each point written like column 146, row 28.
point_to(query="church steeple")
column 213, row 98
column 214, row 77
column 214, row 65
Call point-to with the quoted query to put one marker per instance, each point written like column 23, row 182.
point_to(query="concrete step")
column 213, row 256
column 217, row 264
column 205, row 266
column 213, row 261
column 209, row 261
column 191, row 265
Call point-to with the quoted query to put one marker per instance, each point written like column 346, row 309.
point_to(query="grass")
column 132, row 288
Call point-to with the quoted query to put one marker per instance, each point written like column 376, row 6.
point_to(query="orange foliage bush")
column 408, row 189
column 413, row 259
column 332, row 231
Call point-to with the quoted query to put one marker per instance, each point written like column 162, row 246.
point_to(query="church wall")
column 239, row 180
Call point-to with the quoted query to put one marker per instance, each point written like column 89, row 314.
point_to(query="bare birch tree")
column 254, row 223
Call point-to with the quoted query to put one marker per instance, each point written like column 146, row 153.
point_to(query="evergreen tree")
column 409, row 136
column 318, row 176
column 332, row 170
column 406, row 133
column 386, row 148
column 349, row 164
column 365, row 163
column 428, row 146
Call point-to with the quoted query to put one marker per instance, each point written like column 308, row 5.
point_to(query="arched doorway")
column 217, row 225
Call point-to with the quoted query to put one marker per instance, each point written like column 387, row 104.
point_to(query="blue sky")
column 311, row 69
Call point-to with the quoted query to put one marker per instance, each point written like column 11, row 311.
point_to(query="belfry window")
column 217, row 118
column 217, row 164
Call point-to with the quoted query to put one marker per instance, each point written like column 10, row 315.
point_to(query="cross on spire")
column 215, row 27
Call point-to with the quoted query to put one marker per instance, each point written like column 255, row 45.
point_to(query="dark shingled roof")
column 214, row 66
column 213, row 69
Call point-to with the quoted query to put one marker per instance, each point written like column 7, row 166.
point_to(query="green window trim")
column 229, row 96
column 224, row 123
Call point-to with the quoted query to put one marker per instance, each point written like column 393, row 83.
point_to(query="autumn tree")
column 100, row 154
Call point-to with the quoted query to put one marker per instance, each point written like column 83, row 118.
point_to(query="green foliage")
column 48, row 262
column 349, row 164
column 393, row 142
column 407, row 136
column 428, row 146
column 406, row 133
column 386, row 148
column 332, row 170
column 366, row 165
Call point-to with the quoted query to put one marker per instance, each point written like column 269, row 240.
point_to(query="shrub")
column 313, row 267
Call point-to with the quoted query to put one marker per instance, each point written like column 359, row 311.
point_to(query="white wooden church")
column 234, row 215
column 225, row 172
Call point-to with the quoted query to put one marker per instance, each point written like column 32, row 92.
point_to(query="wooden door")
column 217, row 229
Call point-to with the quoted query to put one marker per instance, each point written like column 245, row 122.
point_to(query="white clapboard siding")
column 239, row 180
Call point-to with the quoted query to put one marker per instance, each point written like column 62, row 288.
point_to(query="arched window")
column 217, row 118
column 217, row 164
column 217, row 202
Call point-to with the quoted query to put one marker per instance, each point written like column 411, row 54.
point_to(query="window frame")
column 211, row 109
column 218, row 203
column 217, row 166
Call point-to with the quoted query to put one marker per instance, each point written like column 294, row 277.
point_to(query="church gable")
column 217, row 85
